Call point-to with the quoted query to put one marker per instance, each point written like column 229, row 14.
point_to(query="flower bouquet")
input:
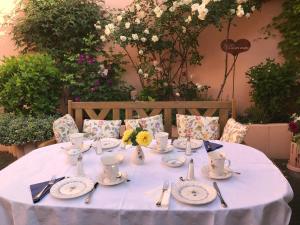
column 137, row 137
column 294, row 126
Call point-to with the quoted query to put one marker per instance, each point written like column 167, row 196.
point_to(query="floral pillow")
column 234, row 132
column 63, row 127
column 153, row 124
column 198, row 127
column 104, row 128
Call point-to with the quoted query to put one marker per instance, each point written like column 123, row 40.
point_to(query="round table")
column 260, row 195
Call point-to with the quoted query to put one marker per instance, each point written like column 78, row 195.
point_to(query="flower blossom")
column 135, row 37
column 154, row 38
column 127, row 25
column 158, row 12
column 141, row 52
column 123, row 38
column 143, row 39
column 103, row 38
column 119, row 18
column 146, row 31
column 240, row 11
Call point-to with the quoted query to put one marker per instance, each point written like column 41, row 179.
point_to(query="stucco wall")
column 212, row 69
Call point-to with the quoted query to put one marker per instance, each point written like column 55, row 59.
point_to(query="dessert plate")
column 173, row 160
column 206, row 172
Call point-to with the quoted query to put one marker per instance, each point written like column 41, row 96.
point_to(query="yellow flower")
column 126, row 137
column 143, row 138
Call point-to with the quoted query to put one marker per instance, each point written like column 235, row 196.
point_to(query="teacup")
column 161, row 140
column 73, row 155
column 77, row 139
column 218, row 163
column 110, row 167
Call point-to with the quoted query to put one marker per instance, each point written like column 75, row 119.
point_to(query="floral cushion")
column 234, row 132
column 198, row 127
column 153, row 124
column 104, row 128
column 63, row 127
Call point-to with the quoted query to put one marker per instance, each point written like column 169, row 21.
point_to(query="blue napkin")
column 36, row 188
column 209, row 146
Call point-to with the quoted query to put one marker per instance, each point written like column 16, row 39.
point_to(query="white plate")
column 193, row 192
column 181, row 143
column 155, row 149
column 108, row 143
column 107, row 182
column 173, row 160
column 72, row 187
column 205, row 171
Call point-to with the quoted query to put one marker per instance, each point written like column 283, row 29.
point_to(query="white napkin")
column 155, row 195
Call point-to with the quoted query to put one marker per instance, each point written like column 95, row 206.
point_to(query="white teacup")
column 77, row 139
column 161, row 140
column 218, row 164
column 110, row 167
column 73, row 155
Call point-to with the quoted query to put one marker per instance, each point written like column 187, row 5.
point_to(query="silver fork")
column 50, row 183
column 164, row 189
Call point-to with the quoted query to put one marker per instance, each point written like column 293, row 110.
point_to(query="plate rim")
column 186, row 201
column 179, row 147
column 118, row 142
column 56, row 186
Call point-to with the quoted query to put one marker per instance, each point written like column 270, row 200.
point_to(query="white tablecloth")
column 259, row 196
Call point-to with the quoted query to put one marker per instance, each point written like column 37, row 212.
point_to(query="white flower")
column 141, row 52
column 140, row 71
column 119, row 18
column 138, row 7
column 183, row 29
column 186, row 2
column 127, row 25
column 171, row 9
column 154, row 38
column 103, row 38
column 135, row 37
column 143, row 39
column 146, row 31
column 240, row 1
column 253, row 8
column 123, row 38
column 107, row 31
column 188, row 19
column 177, row 94
column 146, row 75
column 247, row 15
column 137, row 21
column 97, row 26
column 232, row 11
column 195, row 7
column 202, row 13
column 110, row 26
column 158, row 12
column 240, row 11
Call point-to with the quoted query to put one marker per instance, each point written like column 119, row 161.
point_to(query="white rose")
column 154, row 38
column 146, row 31
column 123, row 38
column 158, row 12
column 183, row 29
column 135, row 37
column 138, row 7
column 110, row 26
column 146, row 75
column 188, row 19
column 143, row 39
column 127, row 25
column 137, row 21
column 195, row 7
column 140, row 71
column 103, row 38
column 107, row 31
column 141, row 52
column 202, row 13
column 119, row 18
column 240, row 11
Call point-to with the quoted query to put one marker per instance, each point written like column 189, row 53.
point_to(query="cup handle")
column 228, row 162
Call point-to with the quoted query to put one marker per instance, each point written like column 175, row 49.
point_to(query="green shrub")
column 30, row 84
column 20, row 129
column 272, row 86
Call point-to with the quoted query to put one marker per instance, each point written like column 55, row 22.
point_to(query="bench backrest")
column 101, row 110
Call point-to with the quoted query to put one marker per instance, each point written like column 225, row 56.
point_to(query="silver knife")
column 223, row 203
column 88, row 198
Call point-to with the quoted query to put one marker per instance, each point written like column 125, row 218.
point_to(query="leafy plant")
column 30, row 84
column 20, row 129
column 271, row 85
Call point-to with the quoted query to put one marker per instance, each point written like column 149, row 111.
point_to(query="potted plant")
column 137, row 137
column 294, row 127
column 24, row 133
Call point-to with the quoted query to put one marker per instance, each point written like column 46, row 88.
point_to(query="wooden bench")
column 101, row 110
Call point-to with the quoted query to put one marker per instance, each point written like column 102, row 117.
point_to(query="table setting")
column 143, row 180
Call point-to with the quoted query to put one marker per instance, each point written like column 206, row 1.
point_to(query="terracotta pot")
column 20, row 150
column 138, row 156
column 294, row 162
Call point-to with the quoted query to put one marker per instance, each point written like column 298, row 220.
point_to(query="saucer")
column 108, row 182
column 168, row 149
column 227, row 173
column 173, row 160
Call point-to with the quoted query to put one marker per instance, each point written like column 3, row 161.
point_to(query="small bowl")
column 173, row 160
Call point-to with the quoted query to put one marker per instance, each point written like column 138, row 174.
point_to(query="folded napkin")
column 209, row 146
column 155, row 195
column 36, row 188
